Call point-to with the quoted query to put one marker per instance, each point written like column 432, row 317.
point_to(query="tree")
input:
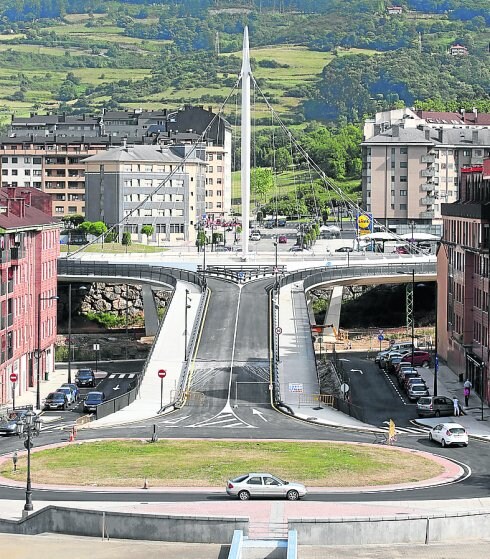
column 261, row 181
column 126, row 238
column 148, row 231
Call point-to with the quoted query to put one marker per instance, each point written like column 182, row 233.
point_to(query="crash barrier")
column 410, row 529
column 134, row 526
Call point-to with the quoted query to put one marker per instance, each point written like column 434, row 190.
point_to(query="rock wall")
column 115, row 298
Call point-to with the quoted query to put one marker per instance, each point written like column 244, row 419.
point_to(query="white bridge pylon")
column 245, row 76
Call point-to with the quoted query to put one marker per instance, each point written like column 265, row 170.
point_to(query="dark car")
column 281, row 223
column 85, row 377
column 434, row 405
column 8, row 423
column 344, row 249
column 282, row 239
column 93, row 400
column 56, row 401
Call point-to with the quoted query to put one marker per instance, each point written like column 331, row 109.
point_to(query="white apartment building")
column 412, row 163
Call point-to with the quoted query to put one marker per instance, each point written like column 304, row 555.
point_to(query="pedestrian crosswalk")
column 408, row 430
column 122, row 375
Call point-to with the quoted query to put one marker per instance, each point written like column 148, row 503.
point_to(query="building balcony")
column 428, row 200
column 427, row 173
column 427, row 215
column 476, row 160
column 428, row 159
column 427, row 187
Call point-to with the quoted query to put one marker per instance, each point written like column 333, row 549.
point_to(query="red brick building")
column 463, row 280
column 29, row 248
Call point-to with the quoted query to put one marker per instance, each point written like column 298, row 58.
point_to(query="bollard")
column 146, row 484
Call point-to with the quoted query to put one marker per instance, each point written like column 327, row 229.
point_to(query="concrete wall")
column 391, row 530
column 79, row 522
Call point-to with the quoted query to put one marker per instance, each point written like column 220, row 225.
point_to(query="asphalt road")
column 229, row 399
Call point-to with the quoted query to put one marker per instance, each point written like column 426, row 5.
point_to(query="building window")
column 403, row 192
column 403, row 164
column 72, row 209
column 210, row 157
column 466, row 153
column 27, row 172
column 15, row 172
column 59, row 209
column 403, row 206
column 5, row 159
column 15, row 159
column 5, row 172
column 219, row 156
column 403, row 179
column 37, row 160
column 209, row 169
column 392, row 179
column 393, row 164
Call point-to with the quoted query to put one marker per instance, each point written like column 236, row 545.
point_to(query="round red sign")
column 162, row 373
column 13, row 377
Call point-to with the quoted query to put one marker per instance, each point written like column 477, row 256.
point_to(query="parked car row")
column 66, row 395
column 388, row 360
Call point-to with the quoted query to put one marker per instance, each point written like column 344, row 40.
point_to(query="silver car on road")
column 264, row 485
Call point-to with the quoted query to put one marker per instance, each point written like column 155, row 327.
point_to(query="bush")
column 106, row 319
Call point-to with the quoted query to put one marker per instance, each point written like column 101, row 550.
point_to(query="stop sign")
column 13, row 377
column 162, row 373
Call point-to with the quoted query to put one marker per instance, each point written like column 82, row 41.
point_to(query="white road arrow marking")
column 116, row 387
column 259, row 413
column 356, row 371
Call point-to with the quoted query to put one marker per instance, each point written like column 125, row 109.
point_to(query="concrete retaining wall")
column 392, row 530
column 134, row 526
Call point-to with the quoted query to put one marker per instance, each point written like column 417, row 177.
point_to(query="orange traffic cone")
column 72, row 438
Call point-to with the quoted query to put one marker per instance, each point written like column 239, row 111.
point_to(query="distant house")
column 458, row 50
column 394, row 10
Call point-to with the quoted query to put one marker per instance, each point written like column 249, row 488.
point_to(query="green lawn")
column 197, row 463
column 114, row 248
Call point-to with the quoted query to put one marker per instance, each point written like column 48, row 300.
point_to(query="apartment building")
column 133, row 186
column 29, row 248
column 45, row 151
column 463, row 279
column 412, row 163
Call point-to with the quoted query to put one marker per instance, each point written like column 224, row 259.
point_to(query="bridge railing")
column 162, row 274
column 314, row 276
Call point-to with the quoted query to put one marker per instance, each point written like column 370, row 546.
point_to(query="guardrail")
column 236, row 545
column 243, row 272
column 314, row 276
column 158, row 274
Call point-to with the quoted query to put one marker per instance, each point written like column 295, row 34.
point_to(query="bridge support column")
column 150, row 310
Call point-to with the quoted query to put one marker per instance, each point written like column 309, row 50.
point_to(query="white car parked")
column 449, row 433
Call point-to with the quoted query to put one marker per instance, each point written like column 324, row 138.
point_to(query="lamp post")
column 187, row 306
column 81, row 288
column 275, row 265
column 436, row 358
column 28, row 427
column 38, row 350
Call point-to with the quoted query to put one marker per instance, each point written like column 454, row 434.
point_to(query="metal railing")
column 158, row 274
column 243, row 272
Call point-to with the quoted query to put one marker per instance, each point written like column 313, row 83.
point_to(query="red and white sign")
column 162, row 373
column 13, row 377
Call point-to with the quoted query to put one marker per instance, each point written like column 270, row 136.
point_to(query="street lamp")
column 275, row 264
column 187, row 306
column 81, row 288
column 38, row 350
column 28, row 426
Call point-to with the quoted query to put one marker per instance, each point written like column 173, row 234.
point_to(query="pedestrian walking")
column 456, row 406
column 466, row 392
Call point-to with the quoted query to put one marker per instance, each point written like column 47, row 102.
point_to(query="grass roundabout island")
column 196, row 463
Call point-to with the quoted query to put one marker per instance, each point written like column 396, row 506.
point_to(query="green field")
column 113, row 248
column 211, row 463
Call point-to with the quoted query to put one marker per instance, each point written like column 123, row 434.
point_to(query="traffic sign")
column 344, row 388
column 13, row 377
column 278, row 330
column 381, row 337
column 162, row 373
